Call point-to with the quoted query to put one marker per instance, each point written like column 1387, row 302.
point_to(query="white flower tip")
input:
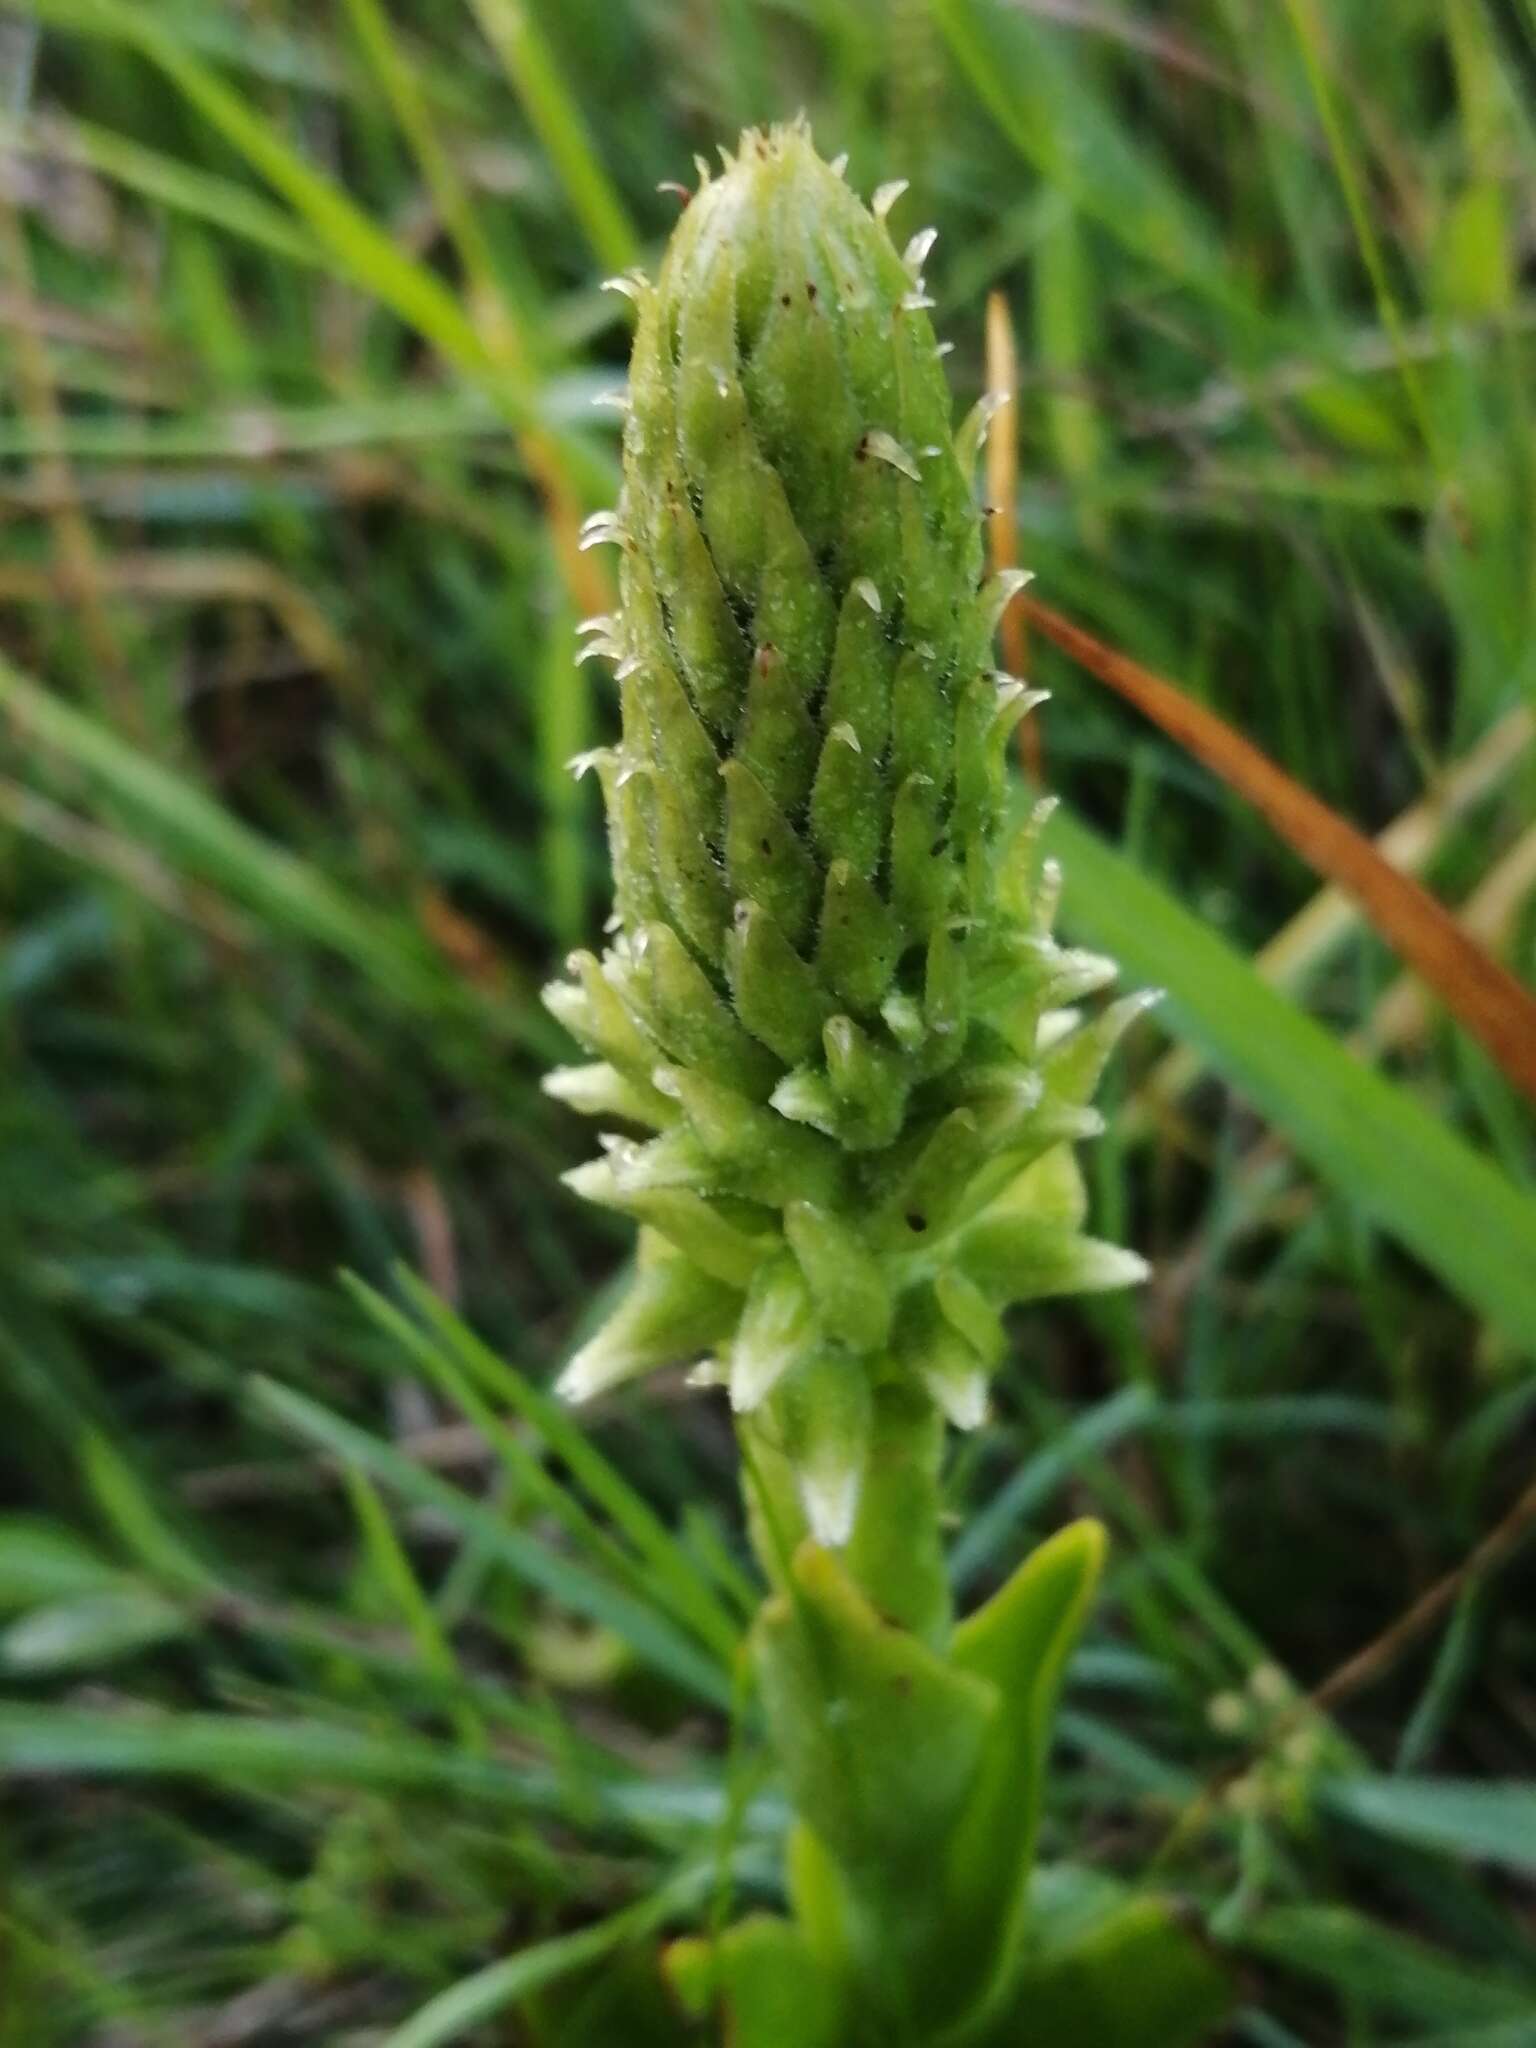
column 579, row 1382
column 754, row 1375
column 917, row 251
column 831, row 1502
column 962, row 1399
column 886, row 448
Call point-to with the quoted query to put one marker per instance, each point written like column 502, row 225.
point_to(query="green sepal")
column 765, row 858
column 778, row 1329
column 1050, row 1189
column 823, row 1410
column 858, row 939
column 601, row 1090
column 752, row 1151
column 869, row 1082
column 1011, row 1258
column 728, row 1247
column 849, row 802
column 923, row 877
column 938, row 1357
column 794, row 351
column 777, row 996
column 945, row 989
column 922, row 722
column 624, row 776
column 859, row 685
column 687, row 1018
column 670, row 1311
column 778, row 740
column 687, row 872
column 1018, row 976
column 794, row 611
column 970, row 1314
column 850, row 1291
column 680, row 747
column 1074, row 1065
column 933, row 1185
column 591, row 1010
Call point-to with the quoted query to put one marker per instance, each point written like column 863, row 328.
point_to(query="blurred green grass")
column 337, row 1668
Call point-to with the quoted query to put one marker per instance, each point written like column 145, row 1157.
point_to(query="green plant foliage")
column 1131, row 1977
column 353, row 1687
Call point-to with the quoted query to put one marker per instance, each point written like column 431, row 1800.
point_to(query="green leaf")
column 1493, row 1823
column 1402, row 1167
column 1134, row 1978
column 42, row 1561
column 359, row 248
column 1070, row 138
column 215, row 847
column 196, row 192
column 515, row 36
column 653, row 1636
column 880, row 1740
column 1017, row 1645
column 502, row 1985
column 1390, row 1971
column 666, row 1561
column 765, row 1977
column 95, row 1629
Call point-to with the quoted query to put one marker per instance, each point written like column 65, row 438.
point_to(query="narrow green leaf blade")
column 651, row 1635
column 1492, row 1823
column 1414, row 1178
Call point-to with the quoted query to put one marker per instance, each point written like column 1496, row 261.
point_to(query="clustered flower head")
column 832, row 1032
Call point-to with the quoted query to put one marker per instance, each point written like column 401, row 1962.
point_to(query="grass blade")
column 1492, row 1823
column 450, row 2015
column 650, row 1635
column 525, row 56
column 220, row 849
column 1485, row 996
column 1410, row 1174
column 366, row 254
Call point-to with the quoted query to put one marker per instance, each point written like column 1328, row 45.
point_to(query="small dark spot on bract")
column 766, row 847
column 783, row 298
column 916, row 1220
column 901, row 1684
column 810, row 290
column 939, row 848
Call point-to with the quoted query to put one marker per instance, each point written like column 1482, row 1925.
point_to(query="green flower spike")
column 831, row 991
column 840, row 1056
